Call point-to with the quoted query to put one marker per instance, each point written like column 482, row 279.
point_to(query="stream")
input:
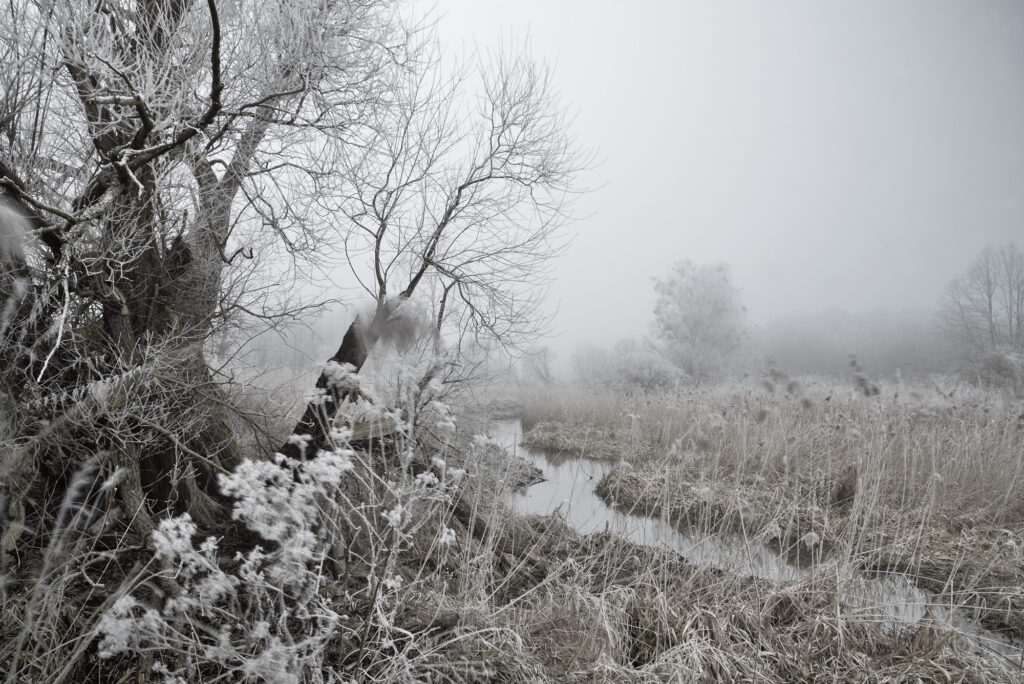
column 568, row 490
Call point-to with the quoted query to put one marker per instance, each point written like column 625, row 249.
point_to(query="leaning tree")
column 455, row 204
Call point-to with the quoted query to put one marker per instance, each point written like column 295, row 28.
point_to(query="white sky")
column 851, row 154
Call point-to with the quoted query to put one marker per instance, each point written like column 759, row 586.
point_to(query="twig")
column 63, row 318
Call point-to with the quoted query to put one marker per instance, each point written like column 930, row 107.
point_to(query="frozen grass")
column 927, row 482
column 961, row 456
column 403, row 562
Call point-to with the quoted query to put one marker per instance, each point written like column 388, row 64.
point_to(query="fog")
column 852, row 156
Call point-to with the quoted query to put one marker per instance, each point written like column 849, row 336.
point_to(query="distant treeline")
column 884, row 342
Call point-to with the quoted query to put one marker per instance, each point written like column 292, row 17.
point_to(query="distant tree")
column 698, row 318
column 538, row 366
column 591, row 365
column 982, row 312
column 983, row 309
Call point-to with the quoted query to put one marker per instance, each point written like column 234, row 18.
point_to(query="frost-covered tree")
column 983, row 309
column 166, row 155
column 699, row 321
column 982, row 313
column 538, row 366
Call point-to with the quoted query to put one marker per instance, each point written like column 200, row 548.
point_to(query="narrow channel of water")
column 568, row 489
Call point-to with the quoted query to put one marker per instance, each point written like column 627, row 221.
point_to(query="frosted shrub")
column 281, row 501
column 264, row 620
column 266, row 616
column 1001, row 369
column 447, row 537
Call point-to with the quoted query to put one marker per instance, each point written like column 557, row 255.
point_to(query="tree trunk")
column 176, row 298
column 316, row 420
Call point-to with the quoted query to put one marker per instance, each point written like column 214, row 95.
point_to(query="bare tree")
column 159, row 148
column 698, row 318
column 538, row 366
column 983, row 309
column 459, row 208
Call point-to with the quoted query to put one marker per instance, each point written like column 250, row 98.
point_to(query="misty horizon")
column 852, row 157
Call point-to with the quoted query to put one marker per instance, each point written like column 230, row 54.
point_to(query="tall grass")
column 957, row 449
column 927, row 482
column 403, row 561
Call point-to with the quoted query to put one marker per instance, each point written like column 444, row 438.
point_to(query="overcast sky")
column 850, row 155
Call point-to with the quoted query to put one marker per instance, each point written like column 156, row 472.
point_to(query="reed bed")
column 923, row 481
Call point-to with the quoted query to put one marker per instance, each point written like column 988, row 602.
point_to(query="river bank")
column 913, row 482
column 575, row 490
